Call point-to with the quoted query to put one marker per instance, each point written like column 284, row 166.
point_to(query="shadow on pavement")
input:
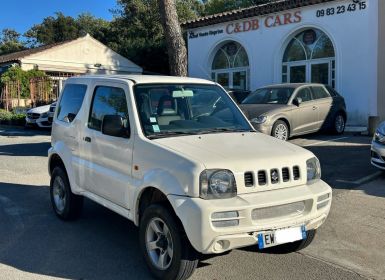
column 100, row 245
column 25, row 149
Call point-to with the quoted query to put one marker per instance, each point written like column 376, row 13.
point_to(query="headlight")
column 379, row 137
column 44, row 115
column 217, row 184
column 313, row 170
column 259, row 120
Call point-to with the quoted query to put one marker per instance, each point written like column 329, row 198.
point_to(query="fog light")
column 225, row 215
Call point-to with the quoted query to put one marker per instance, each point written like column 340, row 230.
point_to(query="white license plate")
column 31, row 121
column 281, row 236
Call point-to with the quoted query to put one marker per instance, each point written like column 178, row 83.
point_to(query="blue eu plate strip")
column 260, row 241
column 303, row 232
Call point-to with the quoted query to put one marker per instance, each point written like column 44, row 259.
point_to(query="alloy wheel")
column 59, row 194
column 339, row 124
column 280, row 132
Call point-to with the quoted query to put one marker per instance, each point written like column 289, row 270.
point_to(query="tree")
column 10, row 41
column 220, row 6
column 177, row 53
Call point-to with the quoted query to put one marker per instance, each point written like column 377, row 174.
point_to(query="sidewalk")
column 353, row 236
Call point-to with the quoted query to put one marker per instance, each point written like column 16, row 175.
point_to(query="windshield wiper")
column 214, row 130
column 164, row 134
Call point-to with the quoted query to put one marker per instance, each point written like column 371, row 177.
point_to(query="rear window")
column 71, row 101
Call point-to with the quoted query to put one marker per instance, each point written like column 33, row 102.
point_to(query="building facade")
column 336, row 42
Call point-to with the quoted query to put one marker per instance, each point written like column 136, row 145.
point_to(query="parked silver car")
column 378, row 147
column 293, row 109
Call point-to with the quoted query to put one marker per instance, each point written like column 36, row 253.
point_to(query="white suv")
column 192, row 174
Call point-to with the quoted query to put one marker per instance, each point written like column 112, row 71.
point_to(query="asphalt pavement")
column 34, row 244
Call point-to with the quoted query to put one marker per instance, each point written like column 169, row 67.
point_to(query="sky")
column 21, row 15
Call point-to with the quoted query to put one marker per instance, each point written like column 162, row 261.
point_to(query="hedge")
column 9, row 118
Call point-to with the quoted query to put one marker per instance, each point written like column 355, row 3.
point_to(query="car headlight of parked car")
column 44, row 115
column 259, row 120
column 217, row 184
column 379, row 137
column 313, row 167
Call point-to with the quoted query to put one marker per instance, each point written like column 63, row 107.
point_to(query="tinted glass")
column 269, row 96
column 107, row 101
column 304, row 94
column 181, row 109
column 71, row 101
column 319, row 93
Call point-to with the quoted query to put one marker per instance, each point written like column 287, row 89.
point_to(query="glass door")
column 235, row 79
column 320, row 73
column 298, row 74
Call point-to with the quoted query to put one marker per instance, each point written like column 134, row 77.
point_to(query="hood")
column 255, row 110
column 240, row 153
column 39, row 110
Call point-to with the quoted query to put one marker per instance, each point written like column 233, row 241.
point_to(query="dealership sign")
column 252, row 24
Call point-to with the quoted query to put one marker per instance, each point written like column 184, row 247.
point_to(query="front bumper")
column 40, row 122
column 196, row 215
column 377, row 155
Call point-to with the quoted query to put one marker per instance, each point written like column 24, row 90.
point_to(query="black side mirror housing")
column 71, row 117
column 297, row 101
column 113, row 125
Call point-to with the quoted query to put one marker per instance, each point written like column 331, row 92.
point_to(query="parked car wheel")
column 167, row 251
column 296, row 246
column 339, row 124
column 280, row 130
column 66, row 205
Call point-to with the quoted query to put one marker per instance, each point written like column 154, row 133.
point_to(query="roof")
column 16, row 56
column 292, row 85
column 273, row 6
column 146, row 79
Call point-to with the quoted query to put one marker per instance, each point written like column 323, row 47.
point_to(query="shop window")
column 309, row 57
column 230, row 66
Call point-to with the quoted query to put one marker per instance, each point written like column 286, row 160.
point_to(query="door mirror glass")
column 297, row 101
column 114, row 125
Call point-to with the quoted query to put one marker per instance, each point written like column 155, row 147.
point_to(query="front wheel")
column 168, row 253
column 280, row 131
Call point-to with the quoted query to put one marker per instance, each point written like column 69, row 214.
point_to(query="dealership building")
column 336, row 42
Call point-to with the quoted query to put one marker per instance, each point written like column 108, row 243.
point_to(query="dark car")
column 238, row 95
column 294, row 109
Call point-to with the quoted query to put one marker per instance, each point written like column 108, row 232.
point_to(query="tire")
column 170, row 237
column 296, row 246
column 280, row 131
column 339, row 123
column 66, row 205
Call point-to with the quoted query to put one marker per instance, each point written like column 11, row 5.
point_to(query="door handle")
column 87, row 139
column 315, row 107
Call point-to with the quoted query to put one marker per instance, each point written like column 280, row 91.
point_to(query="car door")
column 304, row 116
column 107, row 159
column 324, row 103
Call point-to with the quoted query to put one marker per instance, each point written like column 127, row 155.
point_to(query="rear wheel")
column 339, row 124
column 66, row 205
column 280, row 131
column 166, row 249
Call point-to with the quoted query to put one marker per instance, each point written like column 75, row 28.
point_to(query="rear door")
column 305, row 116
column 108, row 160
column 323, row 102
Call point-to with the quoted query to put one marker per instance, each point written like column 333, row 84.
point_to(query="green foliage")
column 11, row 118
column 61, row 28
column 10, row 41
column 15, row 74
column 219, row 6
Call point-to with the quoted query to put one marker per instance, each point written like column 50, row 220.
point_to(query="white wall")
column 353, row 34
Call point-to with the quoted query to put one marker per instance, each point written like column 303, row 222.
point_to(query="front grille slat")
column 296, row 173
column 262, row 180
column 249, row 179
column 285, row 174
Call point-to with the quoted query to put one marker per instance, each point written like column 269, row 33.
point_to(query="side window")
column 107, row 101
column 71, row 101
column 319, row 92
column 304, row 94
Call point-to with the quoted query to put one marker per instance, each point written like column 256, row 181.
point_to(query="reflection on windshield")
column 269, row 96
column 175, row 109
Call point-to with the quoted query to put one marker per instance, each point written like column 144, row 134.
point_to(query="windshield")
column 178, row 109
column 269, row 96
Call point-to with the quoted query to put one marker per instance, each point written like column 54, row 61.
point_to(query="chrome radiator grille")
column 281, row 211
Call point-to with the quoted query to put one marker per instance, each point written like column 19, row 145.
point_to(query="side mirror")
column 113, row 125
column 297, row 101
column 71, row 117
